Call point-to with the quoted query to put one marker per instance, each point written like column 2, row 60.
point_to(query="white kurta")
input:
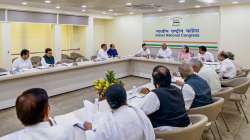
column 102, row 54
column 22, row 64
column 143, row 52
column 167, row 53
column 42, row 131
column 212, row 78
column 207, row 57
column 227, row 69
column 126, row 123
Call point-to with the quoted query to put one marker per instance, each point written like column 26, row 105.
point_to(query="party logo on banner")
column 176, row 21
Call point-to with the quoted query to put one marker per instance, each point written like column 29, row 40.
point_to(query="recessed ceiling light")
column 84, row 6
column 24, row 3
column 58, row 7
column 47, row 1
column 159, row 10
column 210, row 1
column 181, row 1
column 131, row 13
column 104, row 12
column 129, row 4
column 83, row 10
column 115, row 14
column 111, row 10
column 197, row 6
column 235, row 2
column 207, row 1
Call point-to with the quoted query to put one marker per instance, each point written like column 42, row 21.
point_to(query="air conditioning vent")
column 144, row 6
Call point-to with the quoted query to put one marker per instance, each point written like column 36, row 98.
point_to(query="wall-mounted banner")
column 192, row 29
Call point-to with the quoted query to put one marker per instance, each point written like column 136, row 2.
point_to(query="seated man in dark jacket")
column 165, row 106
column 198, row 86
column 112, row 52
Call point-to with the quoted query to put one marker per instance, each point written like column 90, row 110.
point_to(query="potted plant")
column 102, row 85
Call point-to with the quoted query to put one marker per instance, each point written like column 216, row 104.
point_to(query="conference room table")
column 134, row 98
column 81, row 115
column 66, row 78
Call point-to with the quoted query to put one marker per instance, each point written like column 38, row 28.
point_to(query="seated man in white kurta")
column 208, row 74
column 123, row 122
column 23, row 62
column 102, row 54
column 143, row 52
column 33, row 111
column 204, row 55
column 164, row 51
column 227, row 69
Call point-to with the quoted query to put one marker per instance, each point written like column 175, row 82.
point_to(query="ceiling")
column 118, row 7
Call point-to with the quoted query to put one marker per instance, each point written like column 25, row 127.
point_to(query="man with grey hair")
column 200, row 88
column 207, row 73
column 164, row 51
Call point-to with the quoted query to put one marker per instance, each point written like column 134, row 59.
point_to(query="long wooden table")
column 62, row 79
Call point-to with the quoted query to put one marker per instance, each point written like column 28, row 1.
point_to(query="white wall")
column 126, row 32
column 235, row 32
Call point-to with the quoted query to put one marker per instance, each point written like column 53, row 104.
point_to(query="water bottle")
column 134, row 90
column 97, row 104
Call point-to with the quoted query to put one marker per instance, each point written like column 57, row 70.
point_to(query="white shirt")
column 143, row 52
column 207, row 57
column 227, row 69
column 125, row 123
column 167, row 53
column 22, row 64
column 152, row 103
column 102, row 54
column 42, row 131
column 188, row 95
column 212, row 78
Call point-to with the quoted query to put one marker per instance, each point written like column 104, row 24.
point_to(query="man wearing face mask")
column 165, row 105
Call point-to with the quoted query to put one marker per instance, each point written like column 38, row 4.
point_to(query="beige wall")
column 235, row 32
column 99, row 33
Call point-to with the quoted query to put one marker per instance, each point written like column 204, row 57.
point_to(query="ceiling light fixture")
column 84, row 6
column 129, row 4
column 131, row 13
column 197, row 6
column 83, row 10
column 111, row 10
column 159, row 10
column 115, row 14
column 104, row 12
column 24, row 3
column 207, row 1
column 47, row 1
column 235, row 2
column 181, row 1
column 58, row 7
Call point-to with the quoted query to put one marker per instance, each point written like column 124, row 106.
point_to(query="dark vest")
column 172, row 110
column 49, row 60
column 201, row 89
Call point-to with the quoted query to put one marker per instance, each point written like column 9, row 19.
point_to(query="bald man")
column 164, row 51
column 199, row 91
column 207, row 73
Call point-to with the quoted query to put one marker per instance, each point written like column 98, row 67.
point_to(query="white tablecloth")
column 80, row 116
